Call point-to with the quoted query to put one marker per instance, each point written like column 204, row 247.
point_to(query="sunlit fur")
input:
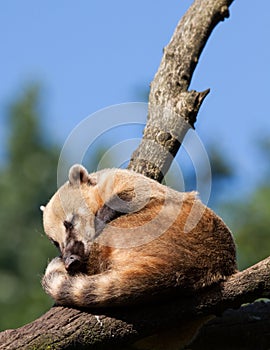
column 133, row 239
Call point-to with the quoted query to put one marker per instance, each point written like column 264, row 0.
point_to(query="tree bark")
column 242, row 329
column 172, row 111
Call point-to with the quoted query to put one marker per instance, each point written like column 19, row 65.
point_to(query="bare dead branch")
column 172, row 109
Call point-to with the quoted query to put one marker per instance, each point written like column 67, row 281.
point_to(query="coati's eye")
column 68, row 225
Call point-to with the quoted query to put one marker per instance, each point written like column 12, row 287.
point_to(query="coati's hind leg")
column 110, row 288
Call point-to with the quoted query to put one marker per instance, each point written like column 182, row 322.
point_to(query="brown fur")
column 124, row 238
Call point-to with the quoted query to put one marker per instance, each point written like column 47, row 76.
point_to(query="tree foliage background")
column 28, row 179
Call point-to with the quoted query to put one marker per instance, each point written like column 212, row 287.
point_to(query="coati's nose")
column 71, row 261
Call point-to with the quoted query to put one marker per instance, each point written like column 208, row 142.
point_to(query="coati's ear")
column 79, row 175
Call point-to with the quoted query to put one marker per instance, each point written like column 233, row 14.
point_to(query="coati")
column 124, row 238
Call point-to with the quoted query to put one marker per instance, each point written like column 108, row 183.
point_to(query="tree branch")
column 245, row 328
column 65, row 328
column 172, row 109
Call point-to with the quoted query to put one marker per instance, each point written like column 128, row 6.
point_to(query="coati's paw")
column 54, row 278
column 55, row 266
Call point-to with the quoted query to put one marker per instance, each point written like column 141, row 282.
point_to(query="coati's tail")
column 109, row 288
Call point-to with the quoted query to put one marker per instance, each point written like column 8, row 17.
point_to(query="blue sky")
column 92, row 54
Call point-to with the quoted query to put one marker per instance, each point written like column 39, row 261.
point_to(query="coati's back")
column 124, row 238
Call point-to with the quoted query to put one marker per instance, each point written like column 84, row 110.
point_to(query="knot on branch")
column 188, row 105
column 224, row 12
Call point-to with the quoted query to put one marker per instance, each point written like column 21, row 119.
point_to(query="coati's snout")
column 74, row 257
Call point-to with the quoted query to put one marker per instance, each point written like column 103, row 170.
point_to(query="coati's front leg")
column 56, row 276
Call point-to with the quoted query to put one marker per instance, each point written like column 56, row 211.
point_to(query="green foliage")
column 249, row 217
column 26, row 181
column 250, row 223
